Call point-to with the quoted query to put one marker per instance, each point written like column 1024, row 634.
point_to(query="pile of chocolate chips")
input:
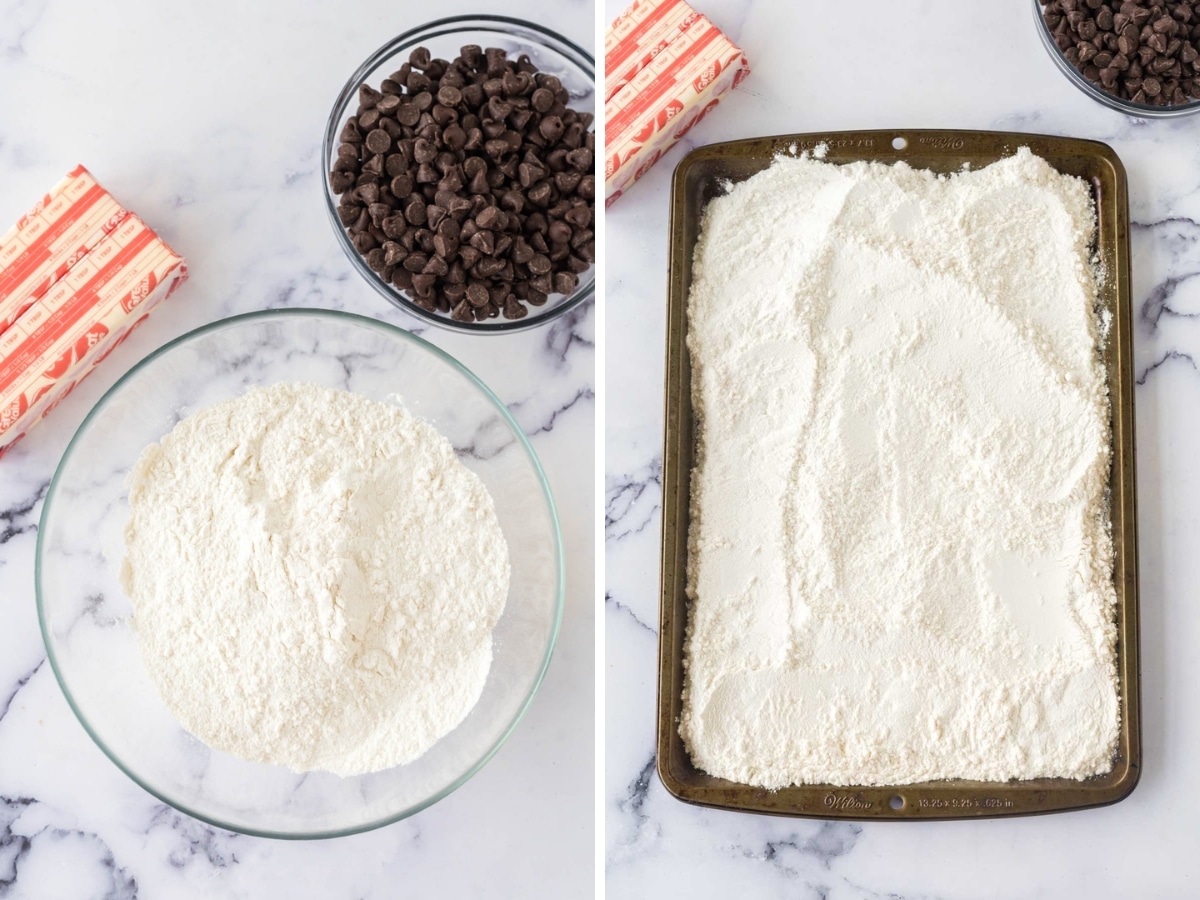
column 469, row 184
column 1147, row 52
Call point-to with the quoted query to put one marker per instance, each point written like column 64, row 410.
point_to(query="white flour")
column 315, row 578
column 900, row 561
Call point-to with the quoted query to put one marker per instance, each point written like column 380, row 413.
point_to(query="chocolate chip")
column 434, row 215
column 424, row 151
column 540, row 193
column 580, row 160
column 379, row 141
column 495, row 61
column 551, row 128
column 379, row 212
column 419, row 58
column 415, row 212
column 489, row 218
column 565, row 282
column 484, row 242
column 394, row 226
column 367, row 96
column 408, row 114
column 369, row 119
column 560, row 232
column 415, row 261
column 455, row 137
column 514, row 309
column 368, row 193
column 394, row 253
column 477, row 294
column 541, row 100
column 580, row 216
column 582, row 238
column 489, row 267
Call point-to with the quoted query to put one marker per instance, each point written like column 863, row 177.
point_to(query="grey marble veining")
column 939, row 64
column 207, row 120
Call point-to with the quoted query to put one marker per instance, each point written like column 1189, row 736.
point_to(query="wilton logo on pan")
column 844, row 802
column 942, row 143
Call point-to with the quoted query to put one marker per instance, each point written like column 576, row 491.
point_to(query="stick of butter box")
column 671, row 67
column 49, row 239
column 84, row 315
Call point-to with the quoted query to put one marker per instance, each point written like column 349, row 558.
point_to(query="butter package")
column 666, row 82
column 80, row 320
column 638, row 35
column 55, row 234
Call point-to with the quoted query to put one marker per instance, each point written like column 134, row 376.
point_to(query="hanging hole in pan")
column 899, row 143
column 897, row 802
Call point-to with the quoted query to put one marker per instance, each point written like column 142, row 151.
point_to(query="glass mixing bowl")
column 550, row 52
column 86, row 619
column 1141, row 110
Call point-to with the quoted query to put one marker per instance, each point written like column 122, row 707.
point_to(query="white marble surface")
column 206, row 119
column 877, row 64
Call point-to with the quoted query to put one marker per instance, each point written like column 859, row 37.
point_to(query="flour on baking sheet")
column 900, row 564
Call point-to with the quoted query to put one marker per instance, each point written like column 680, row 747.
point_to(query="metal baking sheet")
column 697, row 180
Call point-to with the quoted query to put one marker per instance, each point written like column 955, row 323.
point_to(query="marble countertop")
column 206, row 119
column 883, row 65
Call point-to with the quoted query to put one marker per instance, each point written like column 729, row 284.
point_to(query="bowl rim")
column 523, row 441
column 438, row 27
column 1101, row 96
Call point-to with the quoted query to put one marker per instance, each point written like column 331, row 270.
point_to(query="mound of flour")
column 900, row 565
column 315, row 578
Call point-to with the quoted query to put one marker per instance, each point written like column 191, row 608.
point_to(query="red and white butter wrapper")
column 669, row 82
column 80, row 320
column 54, row 235
column 638, row 35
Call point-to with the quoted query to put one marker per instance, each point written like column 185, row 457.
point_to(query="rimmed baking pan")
column 697, row 180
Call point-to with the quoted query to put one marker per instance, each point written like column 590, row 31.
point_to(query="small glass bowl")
column 1140, row 110
column 550, row 52
column 86, row 618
